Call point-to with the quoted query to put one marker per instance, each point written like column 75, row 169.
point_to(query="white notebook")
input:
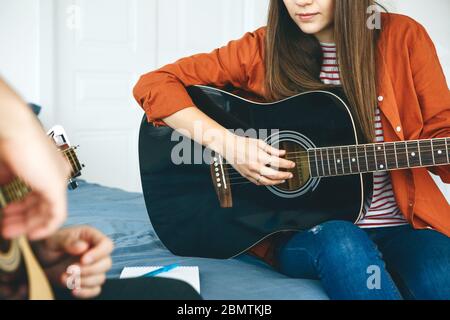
column 186, row 274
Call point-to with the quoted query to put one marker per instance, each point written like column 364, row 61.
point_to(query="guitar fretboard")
column 73, row 160
column 388, row 156
column 17, row 190
column 13, row 192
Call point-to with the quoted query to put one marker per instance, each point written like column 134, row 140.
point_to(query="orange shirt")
column 413, row 97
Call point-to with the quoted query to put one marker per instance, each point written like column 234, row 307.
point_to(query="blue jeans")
column 374, row 264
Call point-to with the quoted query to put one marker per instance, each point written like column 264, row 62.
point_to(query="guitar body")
column 183, row 204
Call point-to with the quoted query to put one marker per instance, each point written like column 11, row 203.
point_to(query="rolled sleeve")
column 162, row 93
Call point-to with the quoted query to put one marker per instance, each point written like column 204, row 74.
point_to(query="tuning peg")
column 73, row 184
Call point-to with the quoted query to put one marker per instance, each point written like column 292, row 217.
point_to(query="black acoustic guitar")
column 209, row 210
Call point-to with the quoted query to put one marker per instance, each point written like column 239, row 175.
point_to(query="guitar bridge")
column 221, row 181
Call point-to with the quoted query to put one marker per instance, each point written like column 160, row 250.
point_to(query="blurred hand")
column 27, row 153
column 83, row 249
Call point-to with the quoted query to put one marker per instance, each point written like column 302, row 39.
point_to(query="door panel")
column 103, row 46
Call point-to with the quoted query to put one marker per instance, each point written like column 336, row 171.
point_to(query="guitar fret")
column 432, row 152
column 375, row 157
column 380, row 154
column 11, row 192
column 391, row 156
column 385, row 156
column 439, row 154
column 323, row 165
column 362, row 158
column 345, row 163
column 420, row 153
column 329, row 166
column 78, row 165
column 3, row 201
column 407, row 154
column 413, row 154
column 7, row 194
column 313, row 163
column 349, row 162
column 396, row 157
column 367, row 161
column 371, row 159
column 335, row 161
column 426, row 153
column 319, row 165
column 342, row 160
column 353, row 153
column 446, row 149
column 71, row 161
column 357, row 159
column 14, row 191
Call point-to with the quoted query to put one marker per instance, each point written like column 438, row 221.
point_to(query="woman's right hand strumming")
column 252, row 158
column 257, row 161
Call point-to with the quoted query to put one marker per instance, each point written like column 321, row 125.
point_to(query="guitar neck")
column 13, row 192
column 16, row 190
column 388, row 156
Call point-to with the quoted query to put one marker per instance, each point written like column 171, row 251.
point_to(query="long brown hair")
column 293, row 59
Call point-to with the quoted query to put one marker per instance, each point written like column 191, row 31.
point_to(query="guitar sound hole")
column 299, row 155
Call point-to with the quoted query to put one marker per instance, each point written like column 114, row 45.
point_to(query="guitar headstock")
column 59, row 136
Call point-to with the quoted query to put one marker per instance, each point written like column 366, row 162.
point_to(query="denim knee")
column 343, row 238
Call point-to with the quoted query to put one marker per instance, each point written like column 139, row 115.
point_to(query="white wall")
column 26, row 51
column 19, row 53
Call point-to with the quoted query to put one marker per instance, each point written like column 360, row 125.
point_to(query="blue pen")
column 160, row 270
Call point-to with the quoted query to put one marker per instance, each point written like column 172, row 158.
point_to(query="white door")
column 102, row 46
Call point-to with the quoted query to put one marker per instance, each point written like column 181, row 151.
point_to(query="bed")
column 123, row 217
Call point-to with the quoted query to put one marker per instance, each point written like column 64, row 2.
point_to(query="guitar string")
column 372, row 153
column 389, row 157
column 237, row 176
column 234, row 180
column 398, row 145
column 242, row 180
column 354, row 149
column 387, row 144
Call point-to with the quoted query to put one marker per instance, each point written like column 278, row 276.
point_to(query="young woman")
column 394, row 83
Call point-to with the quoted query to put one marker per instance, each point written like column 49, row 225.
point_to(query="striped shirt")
column 380, row 207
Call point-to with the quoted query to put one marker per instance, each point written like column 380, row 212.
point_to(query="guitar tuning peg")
column 73, row 184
